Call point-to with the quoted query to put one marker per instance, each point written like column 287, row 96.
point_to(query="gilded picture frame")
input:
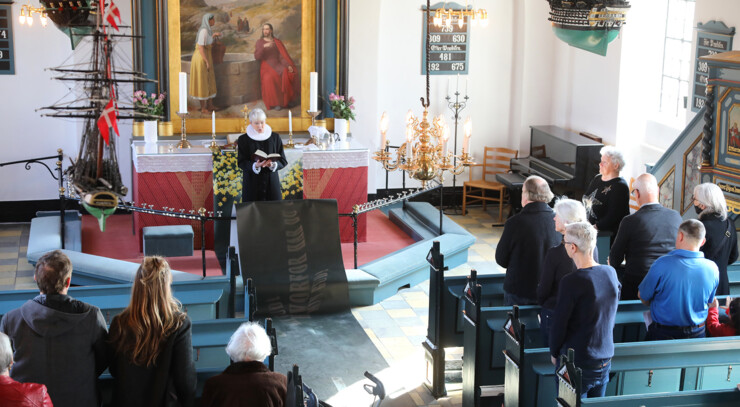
column 667, row 187
column 231, row 120
column 691, row 173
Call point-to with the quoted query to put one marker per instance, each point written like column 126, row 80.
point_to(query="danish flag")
column 107, row 120
column 111, row 13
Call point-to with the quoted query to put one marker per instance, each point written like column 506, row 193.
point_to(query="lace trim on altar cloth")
column 335, row 159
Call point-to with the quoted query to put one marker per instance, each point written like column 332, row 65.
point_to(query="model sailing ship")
column 95, row 175
column 588, row 24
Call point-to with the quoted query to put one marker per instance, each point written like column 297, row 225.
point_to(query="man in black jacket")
column 524, row 242
column 58, row 341
column 643, row 236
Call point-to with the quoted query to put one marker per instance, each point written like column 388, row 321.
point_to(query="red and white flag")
column 107, row 120
column 111, row 13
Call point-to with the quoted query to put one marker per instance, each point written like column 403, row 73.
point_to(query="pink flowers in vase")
column 150, row 105
column 341, row 107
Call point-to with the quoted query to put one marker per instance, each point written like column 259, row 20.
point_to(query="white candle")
column 448, row 86
column 468, row 134
column 314, row 92
column 409, row 148
column 213, row 122
column 183, row 92
column 383, row 129
column 466, row 86
column 445, row 138
column 457, row 84
column 290, row 122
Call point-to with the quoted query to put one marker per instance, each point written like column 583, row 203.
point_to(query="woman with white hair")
column 585, row 311
column 721, row 244
column 261, row 155
column 247, row 381
column 13, row 393
column 607, row 197
column 557, row 263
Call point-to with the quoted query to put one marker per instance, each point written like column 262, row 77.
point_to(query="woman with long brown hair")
column 150, row 343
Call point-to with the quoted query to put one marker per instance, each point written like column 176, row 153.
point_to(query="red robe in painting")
column 279, row 86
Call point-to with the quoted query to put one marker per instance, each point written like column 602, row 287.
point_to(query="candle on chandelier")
column 313, row 92
column 409, row 138
column 213, row 122
column 183, row 92
column 383, row 129
column 290, row 122
column 445, row 138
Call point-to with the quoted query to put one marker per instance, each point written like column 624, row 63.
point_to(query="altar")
column 165, row 177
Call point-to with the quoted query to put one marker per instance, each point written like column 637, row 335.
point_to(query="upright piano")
column 568, row 161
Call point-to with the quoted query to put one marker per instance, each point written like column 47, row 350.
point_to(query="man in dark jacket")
column 58, row 341
column 524, row 242
column 643, row 236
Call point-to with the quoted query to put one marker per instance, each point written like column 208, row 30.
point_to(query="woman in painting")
column 260, row 177
column 277, row 71
column 202, row 76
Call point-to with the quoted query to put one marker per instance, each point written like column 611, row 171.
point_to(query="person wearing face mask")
column 721, row 245
column 260, row 178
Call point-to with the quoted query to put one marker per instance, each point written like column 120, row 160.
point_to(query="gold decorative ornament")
column 26, row 16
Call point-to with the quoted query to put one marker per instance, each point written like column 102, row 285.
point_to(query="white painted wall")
column 25, row 134
column 509, row 80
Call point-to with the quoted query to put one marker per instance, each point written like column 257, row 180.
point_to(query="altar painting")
column 262, row 54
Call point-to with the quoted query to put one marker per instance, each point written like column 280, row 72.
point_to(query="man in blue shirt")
column 680, row 286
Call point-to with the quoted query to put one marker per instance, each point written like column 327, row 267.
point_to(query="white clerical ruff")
column 266, row 132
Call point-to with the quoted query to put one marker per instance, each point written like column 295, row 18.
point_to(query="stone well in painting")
column 237, row 80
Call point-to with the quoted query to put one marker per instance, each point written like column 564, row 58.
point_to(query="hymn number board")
column 711, row 38
column 7, row 67
column 448, row 48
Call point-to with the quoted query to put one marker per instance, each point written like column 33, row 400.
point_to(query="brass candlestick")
column 290, row 143
column 213, row 146
column 184, row 143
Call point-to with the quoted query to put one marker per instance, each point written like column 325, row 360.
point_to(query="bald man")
column 643, row 236
column 526, row 238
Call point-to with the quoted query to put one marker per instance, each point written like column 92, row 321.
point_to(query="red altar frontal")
column 169, row 178
column 339, row 172
column 165, row 177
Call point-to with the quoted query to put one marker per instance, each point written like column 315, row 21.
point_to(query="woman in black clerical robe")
column 261, row 180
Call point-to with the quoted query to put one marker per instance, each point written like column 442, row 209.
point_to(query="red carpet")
column 119, row 242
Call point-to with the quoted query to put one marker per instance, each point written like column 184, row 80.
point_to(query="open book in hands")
column 260, row 155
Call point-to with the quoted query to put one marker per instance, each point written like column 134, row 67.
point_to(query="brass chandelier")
column 445, row 17
column 424, row 155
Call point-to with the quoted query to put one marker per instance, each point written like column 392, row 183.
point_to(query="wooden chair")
column 634, row 207
column 496, row 161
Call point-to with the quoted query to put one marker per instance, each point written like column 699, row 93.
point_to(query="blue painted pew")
column 570, row 389
column 637, row 367
column 200, row 304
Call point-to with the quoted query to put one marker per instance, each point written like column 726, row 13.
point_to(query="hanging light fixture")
column 26, row 16
column 424, row 154
column 445, row 16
